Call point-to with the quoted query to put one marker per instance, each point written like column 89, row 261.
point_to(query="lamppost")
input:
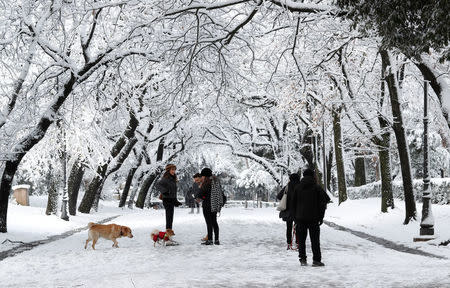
column 65, row 199
column 427, row 222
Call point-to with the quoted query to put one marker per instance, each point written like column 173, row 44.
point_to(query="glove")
column 320, row 222
column 177, row 203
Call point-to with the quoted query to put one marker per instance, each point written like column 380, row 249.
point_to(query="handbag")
column 282, row 204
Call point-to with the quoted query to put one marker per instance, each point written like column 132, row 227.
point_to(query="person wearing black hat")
column 211, row 196
column 168, row 188
column 310, row 202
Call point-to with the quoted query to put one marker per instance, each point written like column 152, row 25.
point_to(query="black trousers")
column 211, row 224
column 170, row 209
column 289, row 231
column 314, row 235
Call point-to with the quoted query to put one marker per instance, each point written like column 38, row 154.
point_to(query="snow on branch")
column 307, row 8
column 205, row 6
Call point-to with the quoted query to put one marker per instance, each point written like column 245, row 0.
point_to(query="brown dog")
column 110, row 231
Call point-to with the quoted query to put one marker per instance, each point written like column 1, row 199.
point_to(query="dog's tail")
column 90, row 224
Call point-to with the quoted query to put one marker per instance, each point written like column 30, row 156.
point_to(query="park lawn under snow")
column 364, row 215
column 253, row 251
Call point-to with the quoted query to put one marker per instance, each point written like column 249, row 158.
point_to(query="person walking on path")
column 310, row 202
column 286, row 214
column 167, row 186
column 192, row 192
column 211, row 195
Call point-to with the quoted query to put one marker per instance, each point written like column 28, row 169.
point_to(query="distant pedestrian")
column 287, row 215
column 192, row 193
column 168, row 188
column 310, row 202
column 211, row 195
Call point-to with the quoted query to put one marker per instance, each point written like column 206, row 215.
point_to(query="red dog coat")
column 161, row 235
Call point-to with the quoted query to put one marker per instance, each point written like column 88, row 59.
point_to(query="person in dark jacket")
column 212, row 203
column 287, row 215
column 192, row 193
column 310, row 202
column 167, row 186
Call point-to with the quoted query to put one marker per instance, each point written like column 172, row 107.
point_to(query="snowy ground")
column 252, row 253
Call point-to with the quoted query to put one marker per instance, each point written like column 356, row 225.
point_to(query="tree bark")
column 73, row 185
column 329, row 167
column 387, row 197
column 339, row 155
column 140, row 202
column 52, row 200
column 134, row 191
column 143, row 191
column 126, row 189
column 89, row 195
column 306, row 149
column 360, row 172
column 402, row 145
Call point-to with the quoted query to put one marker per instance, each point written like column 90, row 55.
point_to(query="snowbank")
column 439, row 187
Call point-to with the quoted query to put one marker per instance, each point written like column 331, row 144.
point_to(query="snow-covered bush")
column 439, row 187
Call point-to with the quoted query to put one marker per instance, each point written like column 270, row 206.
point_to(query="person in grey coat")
column 192, row 193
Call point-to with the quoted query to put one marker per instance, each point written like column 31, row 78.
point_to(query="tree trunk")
column 150, row 178
column 387, row 197
column 5, row 190
column 360, row 172
column 339, row 154
column 126, row 189
column 402, row 145
column 329, row 167
column 306, row 149
column 73, row 185
column 148, row 181
column 134, row 191
column 98, row 194
column 52, row 200
column 91, row 192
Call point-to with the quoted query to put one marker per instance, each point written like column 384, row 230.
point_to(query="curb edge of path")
column 30, row 245
column 383, row 242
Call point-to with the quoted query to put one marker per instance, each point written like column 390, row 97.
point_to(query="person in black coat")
column 287, row 215
column 211, row 204
column 310, row 202
column 167, row 186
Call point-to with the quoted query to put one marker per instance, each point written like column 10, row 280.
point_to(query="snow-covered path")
column 252, row 254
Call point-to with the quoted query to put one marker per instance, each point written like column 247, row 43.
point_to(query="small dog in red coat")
column 164, row 236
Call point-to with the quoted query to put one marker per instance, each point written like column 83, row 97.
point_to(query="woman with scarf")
column 213, row 200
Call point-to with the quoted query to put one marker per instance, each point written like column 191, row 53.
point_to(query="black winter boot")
column 317, row 264
column 207, row 242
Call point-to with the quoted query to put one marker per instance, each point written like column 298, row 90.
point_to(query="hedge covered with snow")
column 440, row 189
